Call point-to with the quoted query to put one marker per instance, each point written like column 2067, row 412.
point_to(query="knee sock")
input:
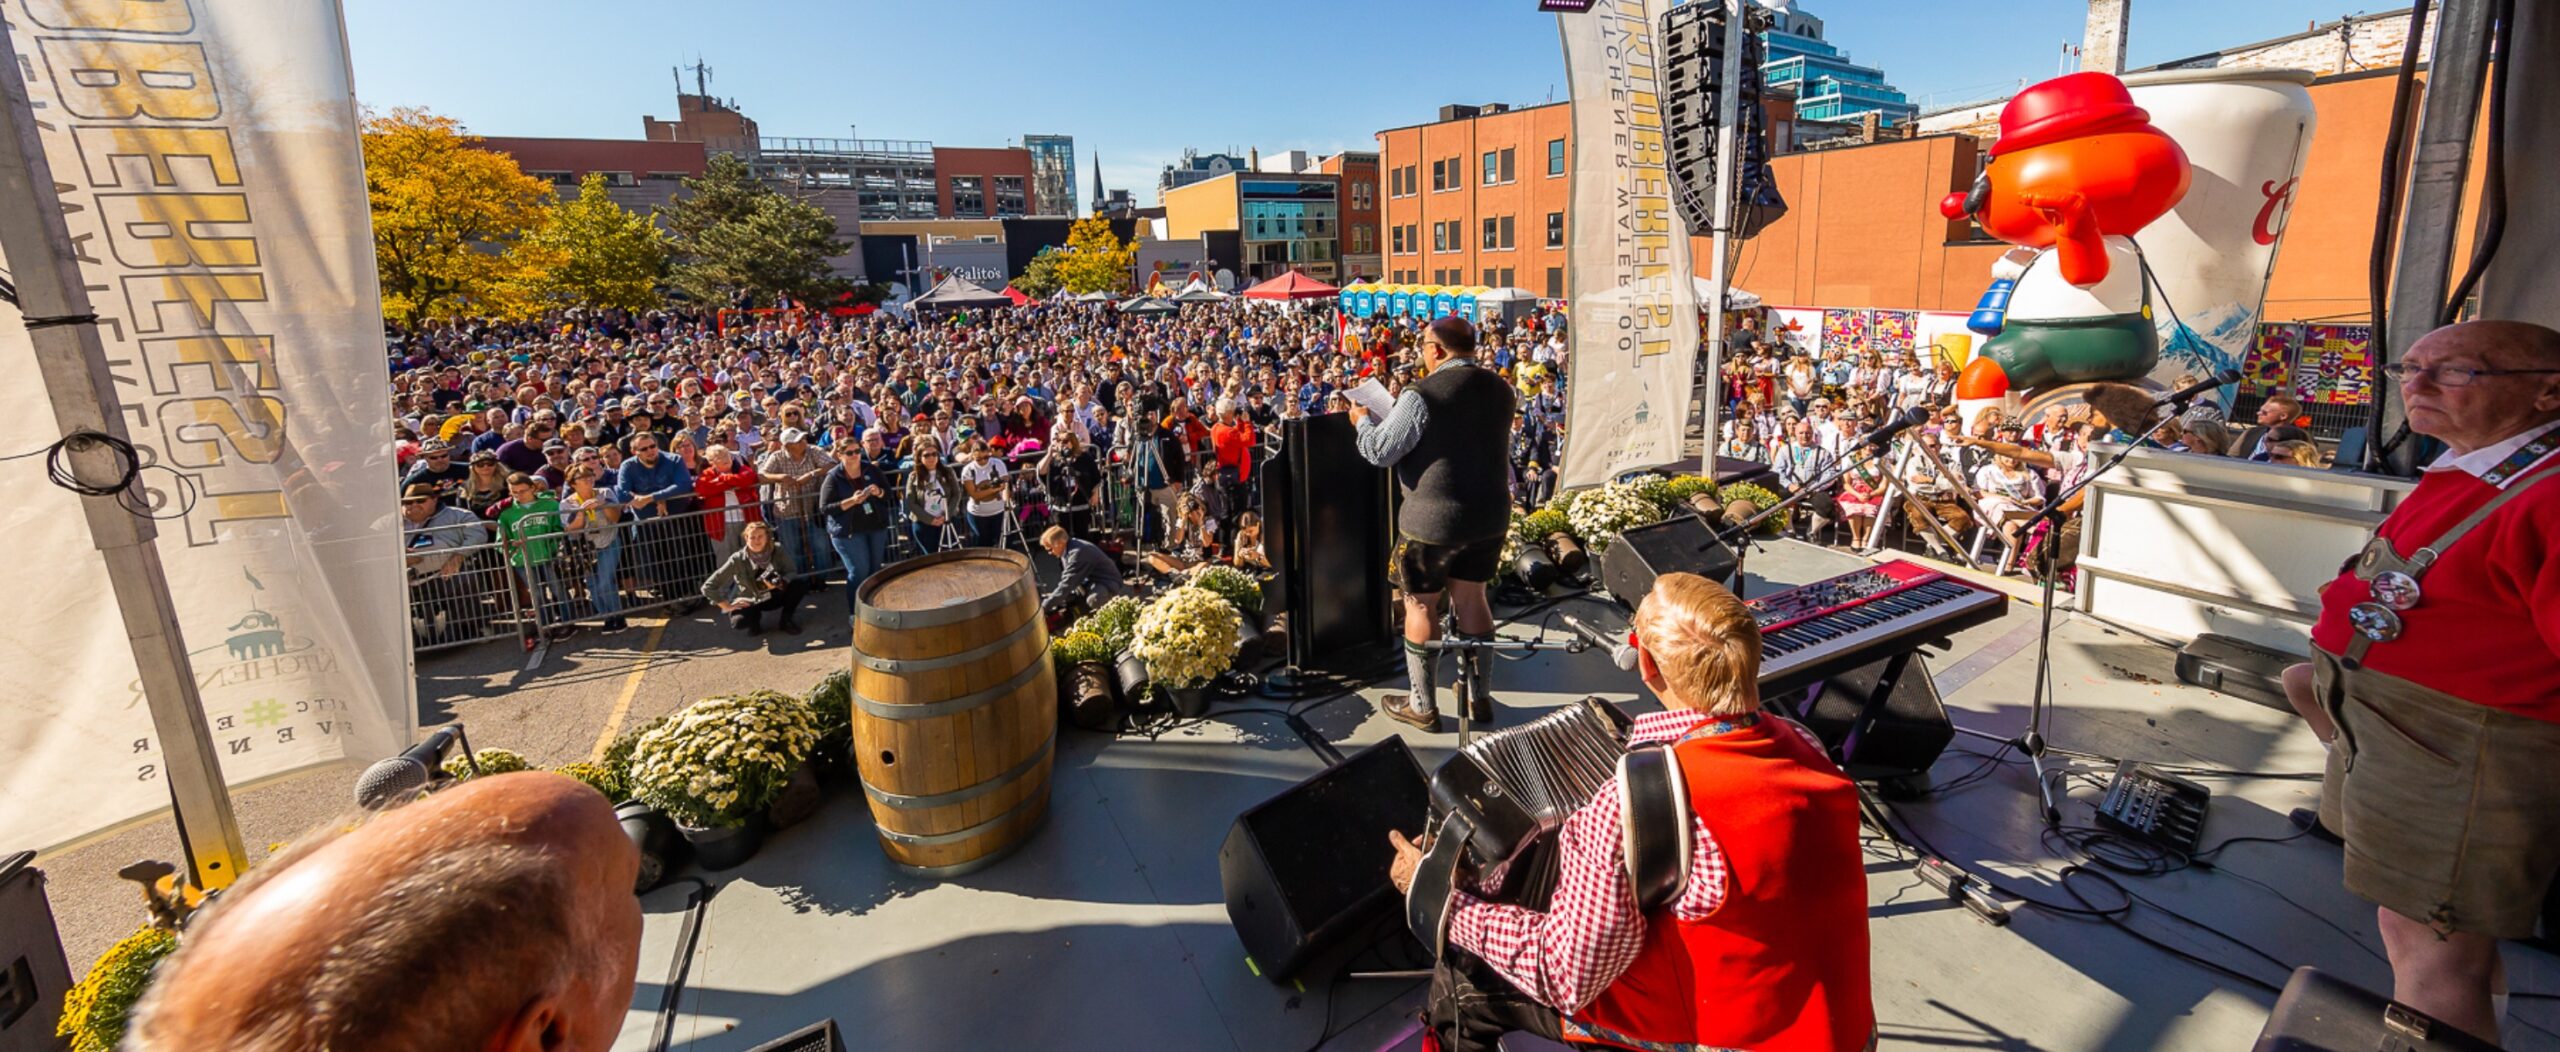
column 1418, row 665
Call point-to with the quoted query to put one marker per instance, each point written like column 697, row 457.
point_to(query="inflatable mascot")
column 2076, row 169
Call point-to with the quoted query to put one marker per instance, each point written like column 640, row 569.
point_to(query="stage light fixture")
column 1566, row 7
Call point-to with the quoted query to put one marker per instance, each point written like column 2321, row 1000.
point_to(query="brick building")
column 1479, row 197
column 973, row 182
column 1361, row 252
column 638, row 175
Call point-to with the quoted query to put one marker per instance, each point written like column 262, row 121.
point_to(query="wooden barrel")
column 955, row 708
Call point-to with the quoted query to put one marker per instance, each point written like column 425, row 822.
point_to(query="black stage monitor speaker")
column 2319, row 1012
column 1327, row 524
column 1899, row 738
column 1308, row 866
column 34, row 972
column 1680, row 544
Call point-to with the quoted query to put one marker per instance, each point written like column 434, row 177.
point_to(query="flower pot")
column 1535, row 568
column 1248, row 638
column 1568, row 553
column 799, row 799
column 724, row 847
column 1090, row 697
column 1189, row 701
column 1133, row 681
column 661, row 847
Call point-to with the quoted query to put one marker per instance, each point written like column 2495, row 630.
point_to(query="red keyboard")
column 1820, row 630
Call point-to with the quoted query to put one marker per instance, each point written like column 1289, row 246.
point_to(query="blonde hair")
column 1703, row 641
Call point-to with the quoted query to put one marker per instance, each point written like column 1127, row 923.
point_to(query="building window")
column 1555, row 230
column 1497, row 232
column 1439, row 176
column 1012, row 199
column 1555, row 157
column 1506, row 279
column 1457, row 175
column 1398, row 236
column 1486, row 277
column 1555, row 283
column 968, row 195
column 1439, row 237
column 1492, row 167
column 1506, row 232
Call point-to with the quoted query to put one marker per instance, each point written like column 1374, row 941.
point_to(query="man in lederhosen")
column 2437, row 669
column 1445, row 440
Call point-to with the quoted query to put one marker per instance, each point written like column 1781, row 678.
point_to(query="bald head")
column 2503, row 344
column 494, row 915
column 2516, row 387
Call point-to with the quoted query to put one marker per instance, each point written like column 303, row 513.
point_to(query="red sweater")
column 2487, row 626
column 1782, row 965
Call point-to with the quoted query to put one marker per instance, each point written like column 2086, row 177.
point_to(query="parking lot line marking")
column 630, row 690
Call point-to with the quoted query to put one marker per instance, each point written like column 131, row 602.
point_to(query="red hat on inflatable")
column 2067, row 107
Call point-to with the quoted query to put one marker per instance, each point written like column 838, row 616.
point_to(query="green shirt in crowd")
column 532, row 531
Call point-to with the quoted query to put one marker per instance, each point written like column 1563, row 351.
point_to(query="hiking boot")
column 1398, row 707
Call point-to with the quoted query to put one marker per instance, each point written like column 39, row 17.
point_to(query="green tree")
column 1039, row 279
column 1094, row 260
column 736, row 234
column 449, row 220
column 596, row 253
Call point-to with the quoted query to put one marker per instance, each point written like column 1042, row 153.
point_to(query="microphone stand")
column 2033, row 742
column 1868, row 450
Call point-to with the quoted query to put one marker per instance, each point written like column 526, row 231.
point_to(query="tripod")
column 2032, row 741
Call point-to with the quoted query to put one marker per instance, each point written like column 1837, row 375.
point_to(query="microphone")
column 400, row 777
column 2180, row 397
column 1619, row 652
column 1884, row 433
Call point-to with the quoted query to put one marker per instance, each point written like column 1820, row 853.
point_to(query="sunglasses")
column 417, row 500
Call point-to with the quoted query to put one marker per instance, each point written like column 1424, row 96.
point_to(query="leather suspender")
column 2380, row 558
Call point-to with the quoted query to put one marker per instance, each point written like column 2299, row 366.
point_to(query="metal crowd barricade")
column 659, row 563
column 477, row 601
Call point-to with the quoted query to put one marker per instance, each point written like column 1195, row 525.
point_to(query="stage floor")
column 1107, row 930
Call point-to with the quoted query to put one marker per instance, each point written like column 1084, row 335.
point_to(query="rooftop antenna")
column 701, row 78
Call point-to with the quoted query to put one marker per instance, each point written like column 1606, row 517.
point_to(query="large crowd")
column 1958, row 489
column 569, row 469
column 577, row 466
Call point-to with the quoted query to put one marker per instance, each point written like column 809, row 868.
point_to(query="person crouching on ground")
column 1766, row 946
column 756, row 579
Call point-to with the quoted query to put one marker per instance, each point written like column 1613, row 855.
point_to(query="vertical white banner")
column 209, row 167
column 1634, row 327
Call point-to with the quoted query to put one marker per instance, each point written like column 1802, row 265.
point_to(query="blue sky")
column 1136, row 81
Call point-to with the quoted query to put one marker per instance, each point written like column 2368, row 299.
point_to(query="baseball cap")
column 552, row 445
column 793, row 434
column 484, row 457
column 435, row 446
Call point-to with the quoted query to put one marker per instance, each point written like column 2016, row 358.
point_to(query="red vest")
column 1782, row 965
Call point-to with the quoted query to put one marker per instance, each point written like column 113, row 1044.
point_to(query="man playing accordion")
column 1763, row 946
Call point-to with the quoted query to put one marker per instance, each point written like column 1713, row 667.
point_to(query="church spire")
column 1098, row 195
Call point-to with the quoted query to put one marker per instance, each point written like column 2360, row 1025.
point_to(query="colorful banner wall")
column 1635, row 329
column 208, row 162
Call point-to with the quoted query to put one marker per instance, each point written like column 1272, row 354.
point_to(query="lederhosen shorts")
column 2450, row 808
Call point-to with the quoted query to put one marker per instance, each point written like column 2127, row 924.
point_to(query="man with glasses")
column 653, row 478
column 436, row 470
column 2436, row 674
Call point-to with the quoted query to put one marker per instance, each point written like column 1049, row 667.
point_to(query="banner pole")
column 1719, row 279
column 62, row 330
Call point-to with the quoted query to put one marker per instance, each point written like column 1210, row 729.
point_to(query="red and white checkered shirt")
column 1591, row 929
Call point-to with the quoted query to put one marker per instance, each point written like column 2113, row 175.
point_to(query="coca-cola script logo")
column 2271, row 215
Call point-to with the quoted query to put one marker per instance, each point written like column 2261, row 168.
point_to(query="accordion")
column 1495, row 808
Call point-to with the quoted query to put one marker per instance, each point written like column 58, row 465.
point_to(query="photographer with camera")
column 756, row 578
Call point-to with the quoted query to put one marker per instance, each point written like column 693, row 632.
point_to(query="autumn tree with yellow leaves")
column 450, row 221
column 1094, row 260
